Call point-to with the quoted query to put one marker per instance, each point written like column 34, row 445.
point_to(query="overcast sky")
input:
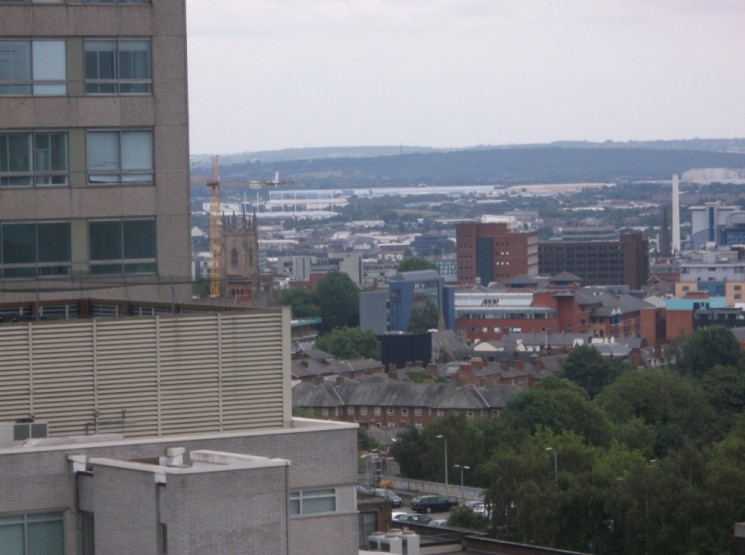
column 273, row 74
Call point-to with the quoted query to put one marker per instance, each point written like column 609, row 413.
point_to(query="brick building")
column 399, row 405
column 621, row 262
column 489, row 251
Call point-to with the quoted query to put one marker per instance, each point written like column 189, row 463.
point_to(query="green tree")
column 349, row 343
column 423, row 317
column 338, row 298
column 587, row 368
column 674, row 409
column 557, row 404
column 415, row 263
column 301, row 301
column 200, row 287
column 705, row 348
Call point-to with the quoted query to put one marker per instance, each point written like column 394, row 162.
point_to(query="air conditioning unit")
column 396, row 541
column 15, row 433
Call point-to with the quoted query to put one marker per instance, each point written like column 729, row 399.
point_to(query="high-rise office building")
column 94, row 153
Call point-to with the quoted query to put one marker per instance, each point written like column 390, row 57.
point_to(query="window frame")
column 113, row 172
column 128, row 265
column 298, row 500
column 30, row 84
column 115, row 84
column 37, row 265
column 28, row 520
column 32, row 175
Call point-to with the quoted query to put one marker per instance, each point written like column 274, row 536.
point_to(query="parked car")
column 391, row 496
column 438, row 522
column 398, row 516
column 418, row 519
column 432, row 503
column 477, row 507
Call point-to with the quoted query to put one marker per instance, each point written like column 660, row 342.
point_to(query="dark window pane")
column 19, row 243
column 139, row 239
column 54, row 242
column 105, row 240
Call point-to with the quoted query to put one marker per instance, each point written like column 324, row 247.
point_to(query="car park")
column 432, row 503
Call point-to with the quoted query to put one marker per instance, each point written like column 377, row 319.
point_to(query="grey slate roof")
column 434, row 396
column 418, row 275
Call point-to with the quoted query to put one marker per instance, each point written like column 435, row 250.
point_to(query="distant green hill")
column 559, row 162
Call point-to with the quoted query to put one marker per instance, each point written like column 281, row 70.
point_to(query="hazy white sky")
column 273, row 74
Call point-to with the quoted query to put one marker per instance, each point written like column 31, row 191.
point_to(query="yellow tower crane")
column 214, row 183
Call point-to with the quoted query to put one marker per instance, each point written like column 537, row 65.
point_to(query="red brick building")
column 494, row 251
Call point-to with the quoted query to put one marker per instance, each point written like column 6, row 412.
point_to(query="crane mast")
column 214, row 183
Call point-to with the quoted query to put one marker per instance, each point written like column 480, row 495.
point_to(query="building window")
column 469, row 414
column 324, row 412
column 312, row 501
column 35, row 249
column 363, row 411
column 87, row 535
column 418, row 426
column 404, row 412
column 118, row 66
column 376, row 411
column 120, row 156
column 122, row 246
column 440, row 412
column 417, row 412
column 28, row 159
column 390, row 412
column 32, row 534
column 350, row 411
column 32, row 67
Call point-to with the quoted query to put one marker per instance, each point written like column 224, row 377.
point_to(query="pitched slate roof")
column 434, row 396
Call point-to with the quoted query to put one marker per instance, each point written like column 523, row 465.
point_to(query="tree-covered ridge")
column 528, row 164
column 651, row 464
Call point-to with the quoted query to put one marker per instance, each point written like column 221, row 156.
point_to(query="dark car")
column 394, row 499
column 432, row 503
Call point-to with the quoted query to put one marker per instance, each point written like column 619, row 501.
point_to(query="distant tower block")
column 676, row 216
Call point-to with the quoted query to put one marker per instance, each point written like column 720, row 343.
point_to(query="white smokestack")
column 676, row 217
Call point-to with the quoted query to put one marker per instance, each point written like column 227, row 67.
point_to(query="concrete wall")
column 321, row 455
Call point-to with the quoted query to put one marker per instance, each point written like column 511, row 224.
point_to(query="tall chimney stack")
column 676, row 217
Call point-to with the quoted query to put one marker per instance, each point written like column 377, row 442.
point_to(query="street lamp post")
column 556, row 466
column 442, row 437
column 462, row 468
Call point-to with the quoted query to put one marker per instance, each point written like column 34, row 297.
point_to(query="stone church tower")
column 240, row 259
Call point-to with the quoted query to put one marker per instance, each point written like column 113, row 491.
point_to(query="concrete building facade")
column 134, row 449
column 94, row 151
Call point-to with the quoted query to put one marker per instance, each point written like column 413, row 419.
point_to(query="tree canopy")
column 349, row 343
column 338, row 298
column 301, row 301
column 415, row 263
column 705, row 348
column 587, row 368
column 423, row 317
